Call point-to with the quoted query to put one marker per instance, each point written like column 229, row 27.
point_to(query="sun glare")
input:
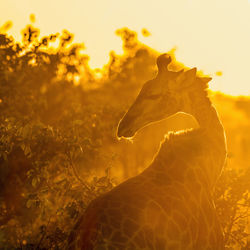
column 209, row 34
column 124, row 124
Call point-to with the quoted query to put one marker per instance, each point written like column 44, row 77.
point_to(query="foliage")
column 58, row 144
column 233, row 206
column 45, row 133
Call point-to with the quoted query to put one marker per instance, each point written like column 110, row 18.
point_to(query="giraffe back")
column 168, row 206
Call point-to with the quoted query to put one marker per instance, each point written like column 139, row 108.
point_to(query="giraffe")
column 169, row 205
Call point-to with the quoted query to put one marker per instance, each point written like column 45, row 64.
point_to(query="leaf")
column 5, row 156
column 2, row 236
column 29, row 173
column 27, row 150
column 22, row 146
column 34, row 182
column 25, row 131
column 29, row 203
column 78, row 122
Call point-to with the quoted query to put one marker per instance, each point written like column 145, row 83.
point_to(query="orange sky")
column 213, row 35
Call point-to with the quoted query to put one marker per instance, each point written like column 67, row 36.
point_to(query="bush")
column 58, row 147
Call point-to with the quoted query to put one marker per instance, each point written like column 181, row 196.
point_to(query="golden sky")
column 213, row 35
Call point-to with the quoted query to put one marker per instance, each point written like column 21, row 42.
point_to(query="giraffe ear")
column 203, row 81
column 178, row 73
column 188, row 76
column 191, row 74
column 206, row 79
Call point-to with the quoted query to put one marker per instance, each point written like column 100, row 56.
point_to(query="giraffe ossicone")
column 169, row 205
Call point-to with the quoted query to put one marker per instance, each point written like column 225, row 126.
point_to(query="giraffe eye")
column 152, row 97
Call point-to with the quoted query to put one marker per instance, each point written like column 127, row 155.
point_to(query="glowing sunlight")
column 213, row 34
column 125, row 124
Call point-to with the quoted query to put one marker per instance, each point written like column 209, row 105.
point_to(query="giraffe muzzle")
column 124, row 129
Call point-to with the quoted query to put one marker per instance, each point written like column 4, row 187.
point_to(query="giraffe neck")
column 203, row 148
column 207, row 117
column 214, row 134
column 204, row 112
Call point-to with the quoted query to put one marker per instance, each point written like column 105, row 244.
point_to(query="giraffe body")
column 169, row 205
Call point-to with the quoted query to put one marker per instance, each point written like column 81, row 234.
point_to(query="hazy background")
column 59, row 114
column 213, row 34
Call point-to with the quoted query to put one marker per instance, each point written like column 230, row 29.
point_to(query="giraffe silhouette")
column 169, row 205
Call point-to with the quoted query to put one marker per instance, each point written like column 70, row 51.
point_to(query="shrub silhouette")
column 58, row 149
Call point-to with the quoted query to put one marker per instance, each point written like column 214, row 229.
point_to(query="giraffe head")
column 164, row 96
